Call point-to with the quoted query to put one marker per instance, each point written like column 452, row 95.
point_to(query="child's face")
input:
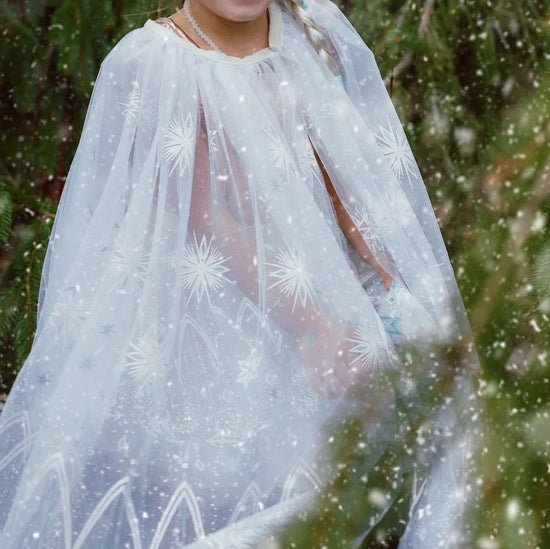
column 237, row 10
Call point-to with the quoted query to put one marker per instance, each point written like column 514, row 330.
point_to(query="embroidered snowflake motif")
column 87, row 363
column 131, row 105
column 128, row 260
column 147, row 359
column 302, row 396
column 203, row 269
column 69, row 313
column 394, row 145
column 107, row 329
column 180, row 141
column 157, row 424
column 44, row 378
column 249, row 367
column 280, row 154
column 294, row 279
column 370, row 233
column 371, row 350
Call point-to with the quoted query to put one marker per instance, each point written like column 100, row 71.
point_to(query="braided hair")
column 320, row 42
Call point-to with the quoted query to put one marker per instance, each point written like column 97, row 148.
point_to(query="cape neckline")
column 275, row 38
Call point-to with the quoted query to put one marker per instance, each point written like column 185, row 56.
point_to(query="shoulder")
column 138, row 46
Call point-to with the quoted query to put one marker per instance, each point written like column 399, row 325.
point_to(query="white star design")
column 128, row 260
column 294, row 279
column 394, row 145
column 249, row 367
column 280, row 154
column 131, row 105
column 371, row 351
column 203, row 268
column 180, row 141
column 148, row 357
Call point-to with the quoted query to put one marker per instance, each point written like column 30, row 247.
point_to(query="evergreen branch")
column 30, row 305
column 8, row 309
column 62, row 160
column 13, row 19
column 6, row 213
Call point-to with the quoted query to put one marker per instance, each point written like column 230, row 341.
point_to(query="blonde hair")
column 320, row 42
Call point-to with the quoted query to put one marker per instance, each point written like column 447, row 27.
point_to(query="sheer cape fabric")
column 199, row 303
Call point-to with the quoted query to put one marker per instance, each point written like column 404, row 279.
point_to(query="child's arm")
column 349, row 228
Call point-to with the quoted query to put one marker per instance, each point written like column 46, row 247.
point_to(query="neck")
column 234, row 35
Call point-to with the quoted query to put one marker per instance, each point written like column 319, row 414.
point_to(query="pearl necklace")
column 197, row 28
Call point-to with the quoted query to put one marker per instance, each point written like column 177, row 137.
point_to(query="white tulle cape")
column 199, row 300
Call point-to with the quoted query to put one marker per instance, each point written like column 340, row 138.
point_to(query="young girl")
column 244, row 254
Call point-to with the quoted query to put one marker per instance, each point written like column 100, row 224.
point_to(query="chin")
column 238, row 10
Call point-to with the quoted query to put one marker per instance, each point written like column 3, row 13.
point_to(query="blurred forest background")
column 470, row 80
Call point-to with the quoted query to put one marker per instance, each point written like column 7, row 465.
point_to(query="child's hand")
column 386, row 278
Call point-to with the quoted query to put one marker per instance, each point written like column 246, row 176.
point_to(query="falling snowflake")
column 128, row 260
column 393, row 142
column 148, row 357
column 202, row 268
column 294, row 279
column 131, row 105
column 180, row 141
column 368, row 230
column 249, row 367
column 371, row 350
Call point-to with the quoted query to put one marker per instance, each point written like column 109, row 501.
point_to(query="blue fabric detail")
column 390, row 323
